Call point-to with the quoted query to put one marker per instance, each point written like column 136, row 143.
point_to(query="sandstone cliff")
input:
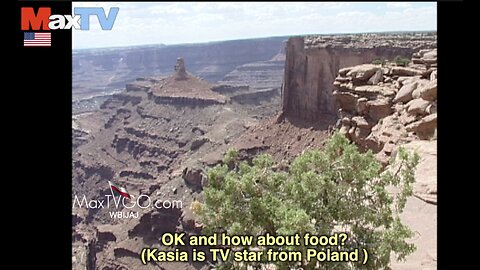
column 378, row 106
column 312, row 64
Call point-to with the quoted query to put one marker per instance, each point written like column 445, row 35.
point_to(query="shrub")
column 322, row 191
column 380, row 61
column 403, row 62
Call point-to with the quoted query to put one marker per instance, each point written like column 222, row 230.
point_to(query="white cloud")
column 165, row 9
column 399, row 5
column 176, row 22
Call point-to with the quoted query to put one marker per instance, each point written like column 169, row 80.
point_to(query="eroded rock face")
column 425, row 186
column 399, row 108
column 181, row 88
column 420, row 213
column 381, row 121
column 180, row 71
column 312, row 63
column 425, row 127
column 143, row 143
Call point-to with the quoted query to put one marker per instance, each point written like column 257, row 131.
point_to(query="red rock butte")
column 182, row 85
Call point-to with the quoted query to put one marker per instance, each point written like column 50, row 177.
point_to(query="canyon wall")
column 98, row 71
column 312, row 63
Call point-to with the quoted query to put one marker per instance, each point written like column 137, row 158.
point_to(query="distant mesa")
column 181, row 88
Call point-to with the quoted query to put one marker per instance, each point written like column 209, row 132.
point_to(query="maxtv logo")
column 44, row 19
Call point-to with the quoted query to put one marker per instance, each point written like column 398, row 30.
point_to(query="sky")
column 140, row 23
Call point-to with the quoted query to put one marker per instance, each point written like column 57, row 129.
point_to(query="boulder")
column 405, row 93
column 372, row 142
column 420, row 84
column 360, row 122
column 418, row 106
column 406, row 118
column 407, row 79
column 343, row 71
column 376, row 78
column 362, row 72
column 429, row 91
column 346, row 121
column 432, row 108
column 189, row 222
column 359, row 134
column 193, row 177
column 374, row 90
column 425, row 127
column 430, row 55
column 379, row 108
column 416, row 93
column 433, row 75
column 347, row 101
column 362, row 108
column 405, row 71
column 197, row 143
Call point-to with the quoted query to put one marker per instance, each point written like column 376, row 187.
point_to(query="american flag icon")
column 31, row 39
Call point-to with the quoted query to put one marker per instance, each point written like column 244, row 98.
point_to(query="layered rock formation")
column 259, row 75
column 181, row 88
column 256, row 83
column 152, row 147
column 385, row 106
column 157, row 136
column 100, row 71
column 312, row 64
column 378, row 106
column 382, row 106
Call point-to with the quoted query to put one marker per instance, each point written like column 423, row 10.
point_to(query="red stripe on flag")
column 126, row 195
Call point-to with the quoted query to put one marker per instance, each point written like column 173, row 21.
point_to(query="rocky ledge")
column 313, row 62
column 384, row 105
column 415, row 41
